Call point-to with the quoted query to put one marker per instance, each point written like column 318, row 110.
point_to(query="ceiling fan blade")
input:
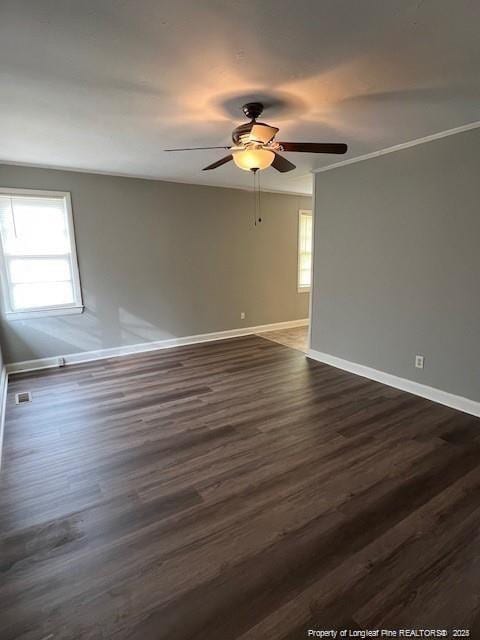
column 263, row 133
column 282, row 164
column 197, row 148
column 314, row 147
column 218, row 163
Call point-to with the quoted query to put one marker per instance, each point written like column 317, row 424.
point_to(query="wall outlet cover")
column 419, row 361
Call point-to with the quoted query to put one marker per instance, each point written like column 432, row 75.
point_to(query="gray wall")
column 397, row 263
column 160, row 260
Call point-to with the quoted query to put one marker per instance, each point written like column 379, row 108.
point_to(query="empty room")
column 239, row 319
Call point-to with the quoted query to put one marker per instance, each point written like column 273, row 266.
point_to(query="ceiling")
column 106, row 85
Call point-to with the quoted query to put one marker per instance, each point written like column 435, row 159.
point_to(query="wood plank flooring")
column 233, row 490
column 296, row 337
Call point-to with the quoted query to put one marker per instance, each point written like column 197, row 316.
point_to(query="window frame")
column 52, row 310
column 300, row 288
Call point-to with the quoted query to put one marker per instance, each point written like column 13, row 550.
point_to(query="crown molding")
column 399, row 147
column 132, row 176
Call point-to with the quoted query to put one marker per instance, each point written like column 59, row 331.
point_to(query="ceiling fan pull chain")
column 254, row 200
column 259, row 201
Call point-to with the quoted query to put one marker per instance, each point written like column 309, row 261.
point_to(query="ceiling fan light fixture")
column 254, row 145
column 249, row 159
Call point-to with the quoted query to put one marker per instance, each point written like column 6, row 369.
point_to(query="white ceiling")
column 106, row 85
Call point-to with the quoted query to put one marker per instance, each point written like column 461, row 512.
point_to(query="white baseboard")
column 100, row 354
column 3, row 402
column 431, row 393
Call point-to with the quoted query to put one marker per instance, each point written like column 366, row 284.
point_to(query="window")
column 39, row 261
column 304, row 250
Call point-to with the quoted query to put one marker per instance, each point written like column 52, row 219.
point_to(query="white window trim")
column 56, row 310
column 301, row 289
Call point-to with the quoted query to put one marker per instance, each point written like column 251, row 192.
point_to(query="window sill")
column 303, row 289
column 42, row 313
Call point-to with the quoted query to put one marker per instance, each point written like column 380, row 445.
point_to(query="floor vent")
column 24, row 396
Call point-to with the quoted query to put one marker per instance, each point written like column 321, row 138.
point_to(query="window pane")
column 44, row 294
column 25, row 270
column 304, row 250
column 34, row 226
column 39, row 268
column 304, row 278
column 305, row 261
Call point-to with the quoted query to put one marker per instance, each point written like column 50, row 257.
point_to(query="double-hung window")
column 304, row 276
column 39, row 263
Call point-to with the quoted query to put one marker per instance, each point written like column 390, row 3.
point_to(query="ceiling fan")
column 254, row 145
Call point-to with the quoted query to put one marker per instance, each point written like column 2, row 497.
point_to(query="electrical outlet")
column 242, row 315
column 419, row 361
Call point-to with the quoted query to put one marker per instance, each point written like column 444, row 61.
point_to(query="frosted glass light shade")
column 248, row 159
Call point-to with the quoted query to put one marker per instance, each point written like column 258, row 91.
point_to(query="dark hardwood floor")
column 233, row 489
